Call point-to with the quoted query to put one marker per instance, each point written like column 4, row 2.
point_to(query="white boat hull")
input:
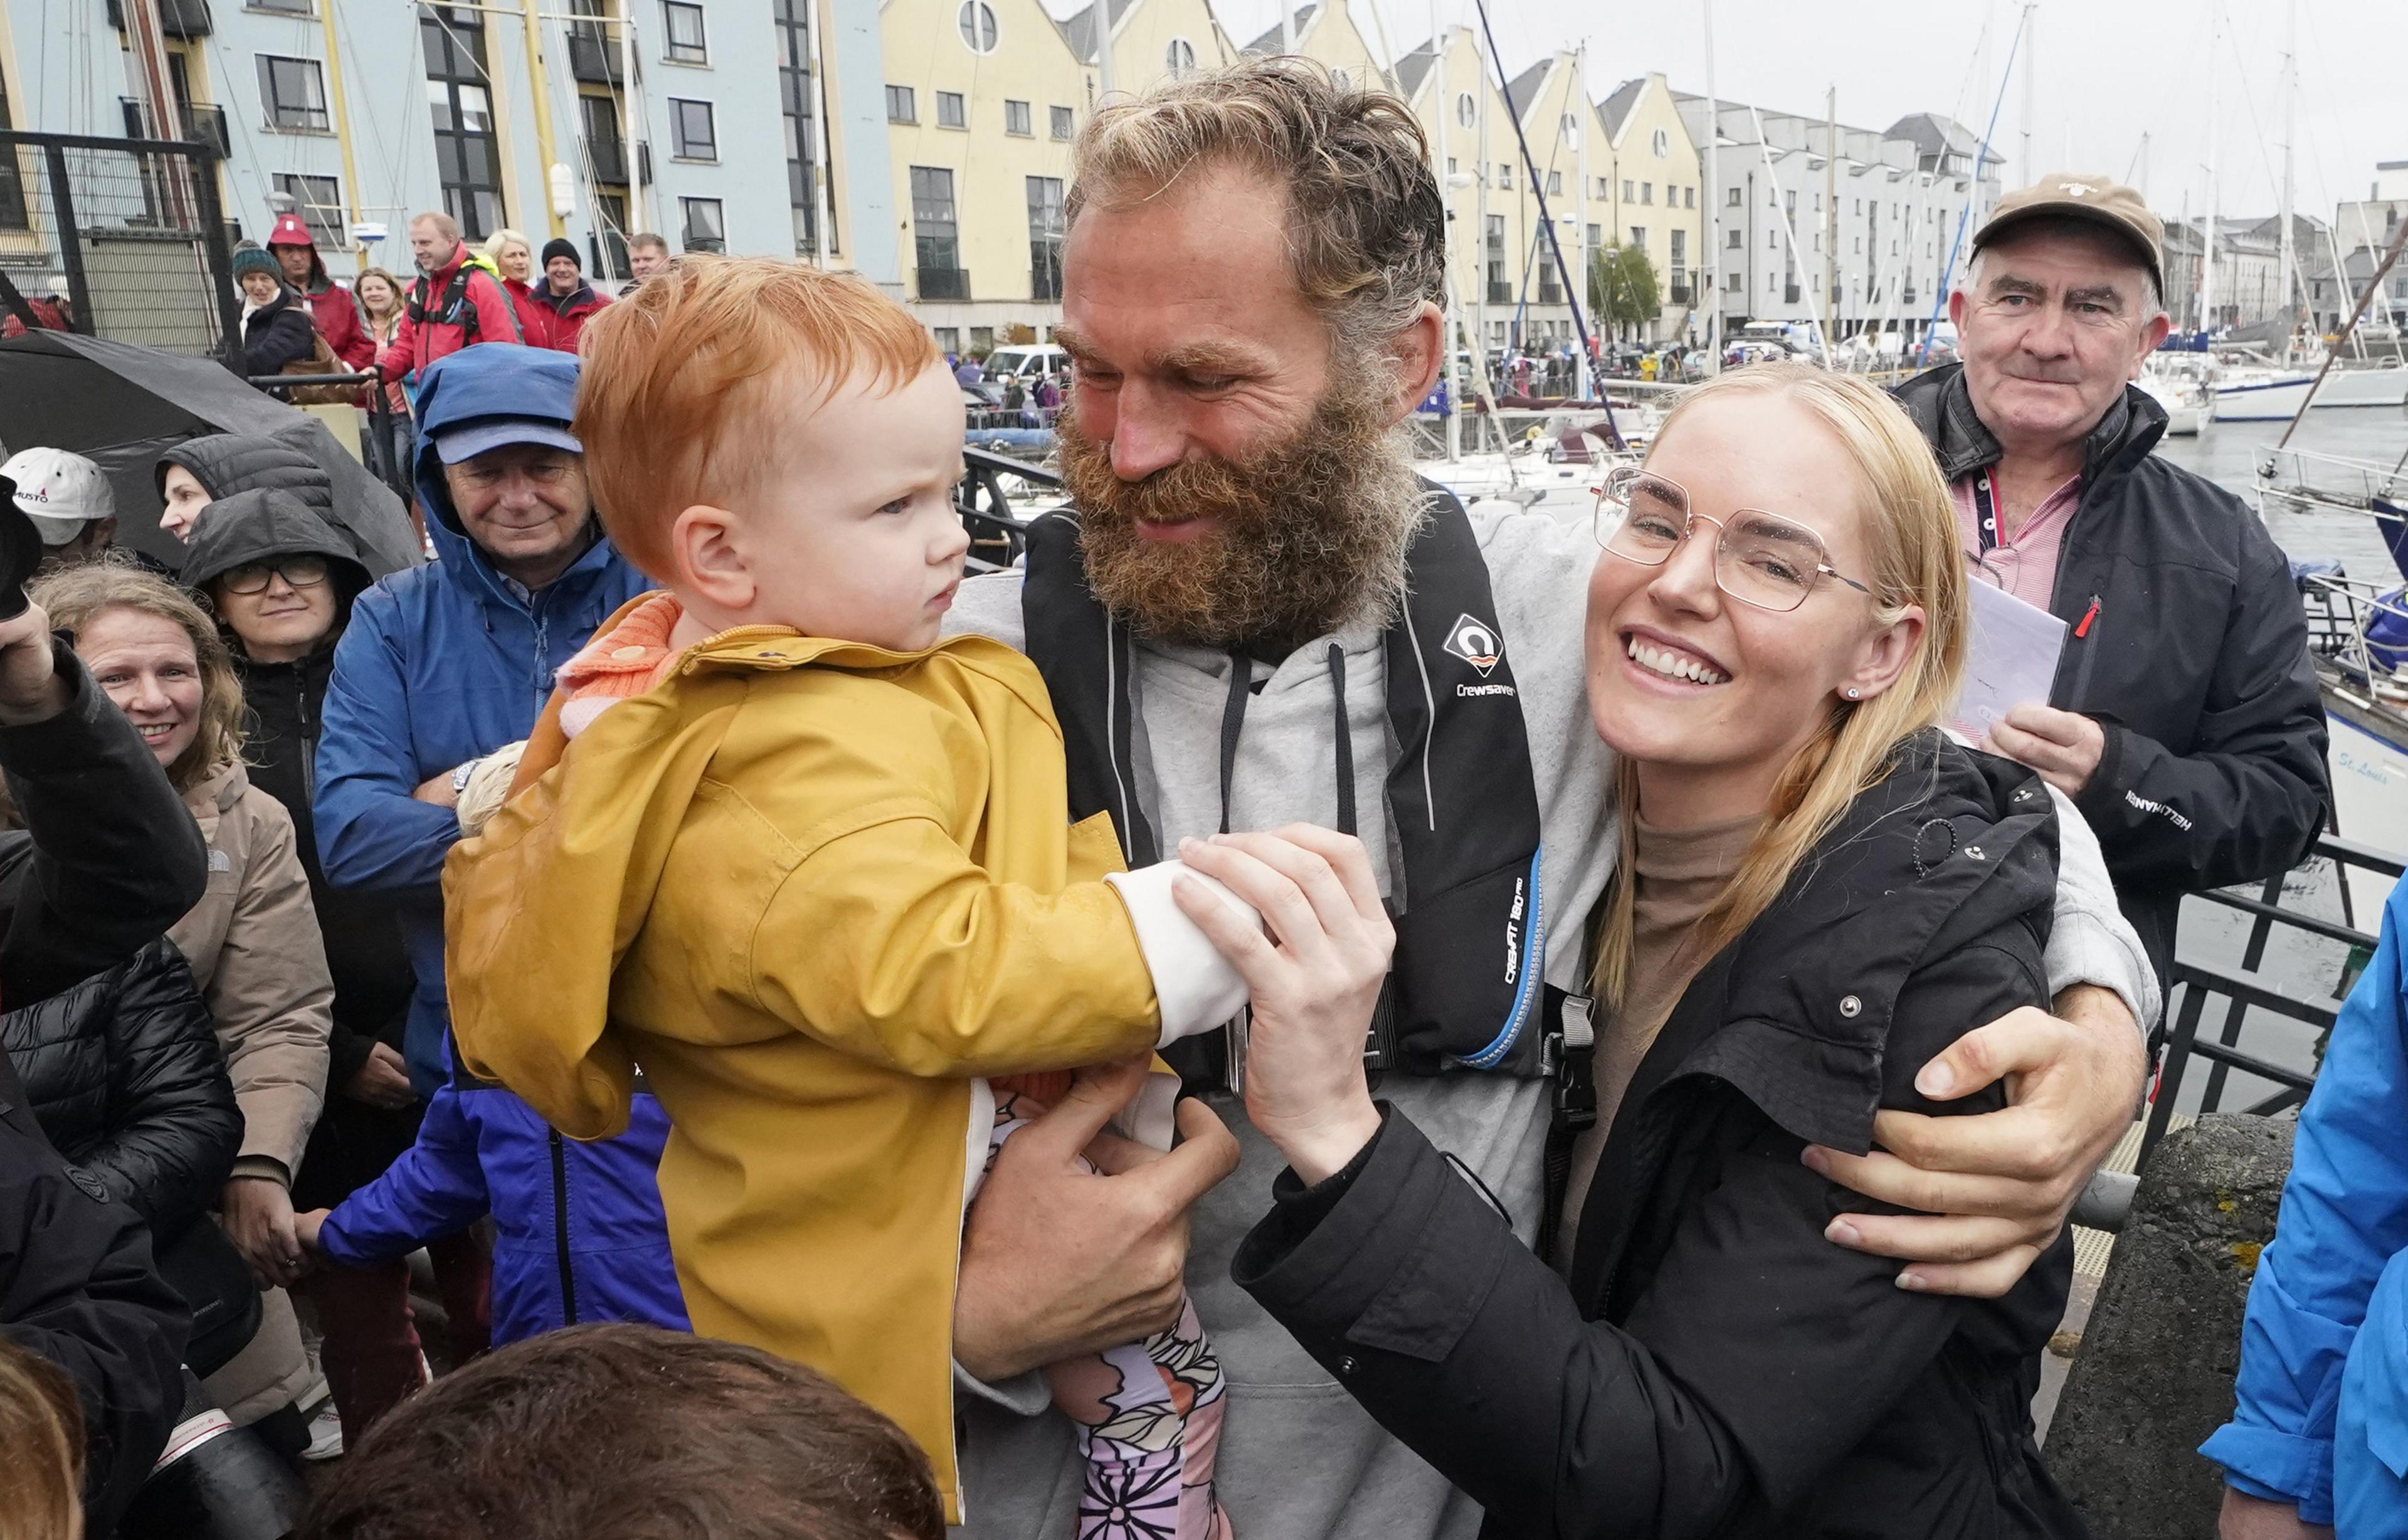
column 2381, row 387
column 2370, row 783
column 2272, row 401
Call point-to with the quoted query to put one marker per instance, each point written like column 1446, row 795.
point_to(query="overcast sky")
column 2107, row 70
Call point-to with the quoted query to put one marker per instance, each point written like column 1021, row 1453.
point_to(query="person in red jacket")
column 332, row 309
column 455, row 304
column 565, row 297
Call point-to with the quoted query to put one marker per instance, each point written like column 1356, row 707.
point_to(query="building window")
column 1732, row 283
column 1554, row 184
column 1680, row 251
column 1639, row 236
column 802, row 118
column 691, row 133
column 1630, row 190
column 1017, row 119
column 290, row 8
column 294, row 92
column 952, row 111
column 949, row 339
column 1064, row 121
column 902, row 105
column 1789, row 202
column 937, row 250
column 1571, row 130
column 706, row 224
column 683, row 23
column 1180, row 57
column 1646, row 191
column 1595, row 237
column 1505, row 176
column 976, row 20
column 1660, row 142
column 467, row 160
column 1604, row 189
column 1045, row 237
column 1340, row 78
column 1688, row 198
column 1467, row 111
column 1734, row 241
column 1450, row 166
column 13, row 212
column 1734, row 199
column 319, row 201
column 1500, row 290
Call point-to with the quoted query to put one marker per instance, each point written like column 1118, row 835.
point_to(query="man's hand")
column 2247, row 1518
column 1058, row 1261
column 2063, row 745
column 258, row 1214
column 1995, row 1189
column 437, row 789
column 30, row 689
column 382, row 1080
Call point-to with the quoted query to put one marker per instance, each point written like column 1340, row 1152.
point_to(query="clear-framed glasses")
column 1760, row 558
column 253, row 576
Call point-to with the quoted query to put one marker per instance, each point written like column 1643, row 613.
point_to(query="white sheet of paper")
column 2011, row 656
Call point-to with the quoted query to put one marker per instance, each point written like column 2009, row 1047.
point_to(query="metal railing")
column 998, row 529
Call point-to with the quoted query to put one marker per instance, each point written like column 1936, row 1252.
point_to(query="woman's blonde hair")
column 1912, row 558
column 74, row 597
column 42, row 1427
column 500, row 241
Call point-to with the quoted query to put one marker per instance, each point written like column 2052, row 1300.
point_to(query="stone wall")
column 2154, row 1374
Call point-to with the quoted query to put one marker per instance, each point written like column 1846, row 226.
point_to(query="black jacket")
column 353, row 1142
column 2196, row 664
column 227, row 463
column 108, row 858
column 124, row 1073
column 277, row 333
column 79, row 1288
column 1716, row 1367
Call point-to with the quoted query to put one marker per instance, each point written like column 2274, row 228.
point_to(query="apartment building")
column 1865, row 244
column 1649, row 183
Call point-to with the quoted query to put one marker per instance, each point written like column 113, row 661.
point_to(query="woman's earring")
column 1854, row 692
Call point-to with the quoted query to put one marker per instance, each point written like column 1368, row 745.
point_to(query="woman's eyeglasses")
column 253, row 576
column 1760, row 558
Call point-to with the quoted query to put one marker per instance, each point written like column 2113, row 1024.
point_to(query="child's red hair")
column 704, row 351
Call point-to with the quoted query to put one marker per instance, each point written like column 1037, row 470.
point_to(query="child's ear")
column 707, row 547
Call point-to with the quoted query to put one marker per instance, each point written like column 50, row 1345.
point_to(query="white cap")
column 61, row 491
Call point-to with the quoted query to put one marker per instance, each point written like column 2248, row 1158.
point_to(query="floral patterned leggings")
column 1148, row 1414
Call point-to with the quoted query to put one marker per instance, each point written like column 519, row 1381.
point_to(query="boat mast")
column 1715, row 203
column 2207, row 239
column 1446, row 193
column 1831, row 207
column 2031, row 81
column 1585, row 379
column 2290, row 121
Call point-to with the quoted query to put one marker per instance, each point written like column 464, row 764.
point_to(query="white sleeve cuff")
column 2091, row 941
column 1195, row 985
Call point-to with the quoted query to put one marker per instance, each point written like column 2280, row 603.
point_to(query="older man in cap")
column 2184, row 720
column 443, row 664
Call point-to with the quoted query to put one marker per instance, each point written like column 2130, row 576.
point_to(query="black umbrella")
column 122, row 405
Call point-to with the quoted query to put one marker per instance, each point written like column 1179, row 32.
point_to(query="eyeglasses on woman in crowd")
column 253, row 576
column 1760, row 558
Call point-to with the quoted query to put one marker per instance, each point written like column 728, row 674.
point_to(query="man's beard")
column 1309, row 533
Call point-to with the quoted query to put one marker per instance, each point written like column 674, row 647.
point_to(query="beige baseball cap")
column 2070, row 195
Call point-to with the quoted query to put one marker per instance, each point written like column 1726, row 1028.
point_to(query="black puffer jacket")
column 124, row 1073
column 1716, row 1367
column 277, row 333
column 2195, row 662
column 226, row 463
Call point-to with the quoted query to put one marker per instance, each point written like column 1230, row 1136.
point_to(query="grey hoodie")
column 1298, row 1460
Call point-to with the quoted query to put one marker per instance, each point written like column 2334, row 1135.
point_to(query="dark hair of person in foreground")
column 630, row 1432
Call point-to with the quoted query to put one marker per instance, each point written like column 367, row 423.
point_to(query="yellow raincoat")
column 813, row 887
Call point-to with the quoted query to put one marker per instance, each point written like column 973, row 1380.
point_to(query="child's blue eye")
column 901, row 505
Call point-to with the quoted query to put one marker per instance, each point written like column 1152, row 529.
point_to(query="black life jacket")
column 1466, row 989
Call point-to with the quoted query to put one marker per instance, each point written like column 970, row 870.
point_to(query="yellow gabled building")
column 982, row 101
column 1648, row 192
column 1328, row 34
column 1151, row 39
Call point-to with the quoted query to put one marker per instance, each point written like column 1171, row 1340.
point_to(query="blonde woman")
column 252, row 941
column 514, row 259
column 1819, row 892
column 41, row 1428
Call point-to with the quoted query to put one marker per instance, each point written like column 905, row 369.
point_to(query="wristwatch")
column 459, row 777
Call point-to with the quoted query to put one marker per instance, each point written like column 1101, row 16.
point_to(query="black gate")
column 120, row 239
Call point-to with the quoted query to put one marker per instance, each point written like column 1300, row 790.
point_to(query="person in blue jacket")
column 445, row 664
column 2320, row 1434
column 578, row 1235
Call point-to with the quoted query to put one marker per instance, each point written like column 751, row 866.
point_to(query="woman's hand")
column 382, row 1080
column 1315, row 979
column 30, row 689
column 258, row 1216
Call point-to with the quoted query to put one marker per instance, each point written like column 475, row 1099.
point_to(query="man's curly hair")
column 1366, row 223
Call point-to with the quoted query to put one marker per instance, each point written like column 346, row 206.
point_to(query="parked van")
column 1026, row 361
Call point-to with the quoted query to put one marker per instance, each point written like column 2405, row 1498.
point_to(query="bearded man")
column 1261, row 616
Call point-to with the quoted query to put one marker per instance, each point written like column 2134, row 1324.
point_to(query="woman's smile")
column 1660, row 659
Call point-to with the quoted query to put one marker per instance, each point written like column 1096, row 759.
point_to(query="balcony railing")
column 201, row 124
column 185, row 18
column 609, row 160
column 1680, row 292
column 1550, row 294
column 1500, row 293
column 592, row 57
column 1790, row 293
column 943, row 282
